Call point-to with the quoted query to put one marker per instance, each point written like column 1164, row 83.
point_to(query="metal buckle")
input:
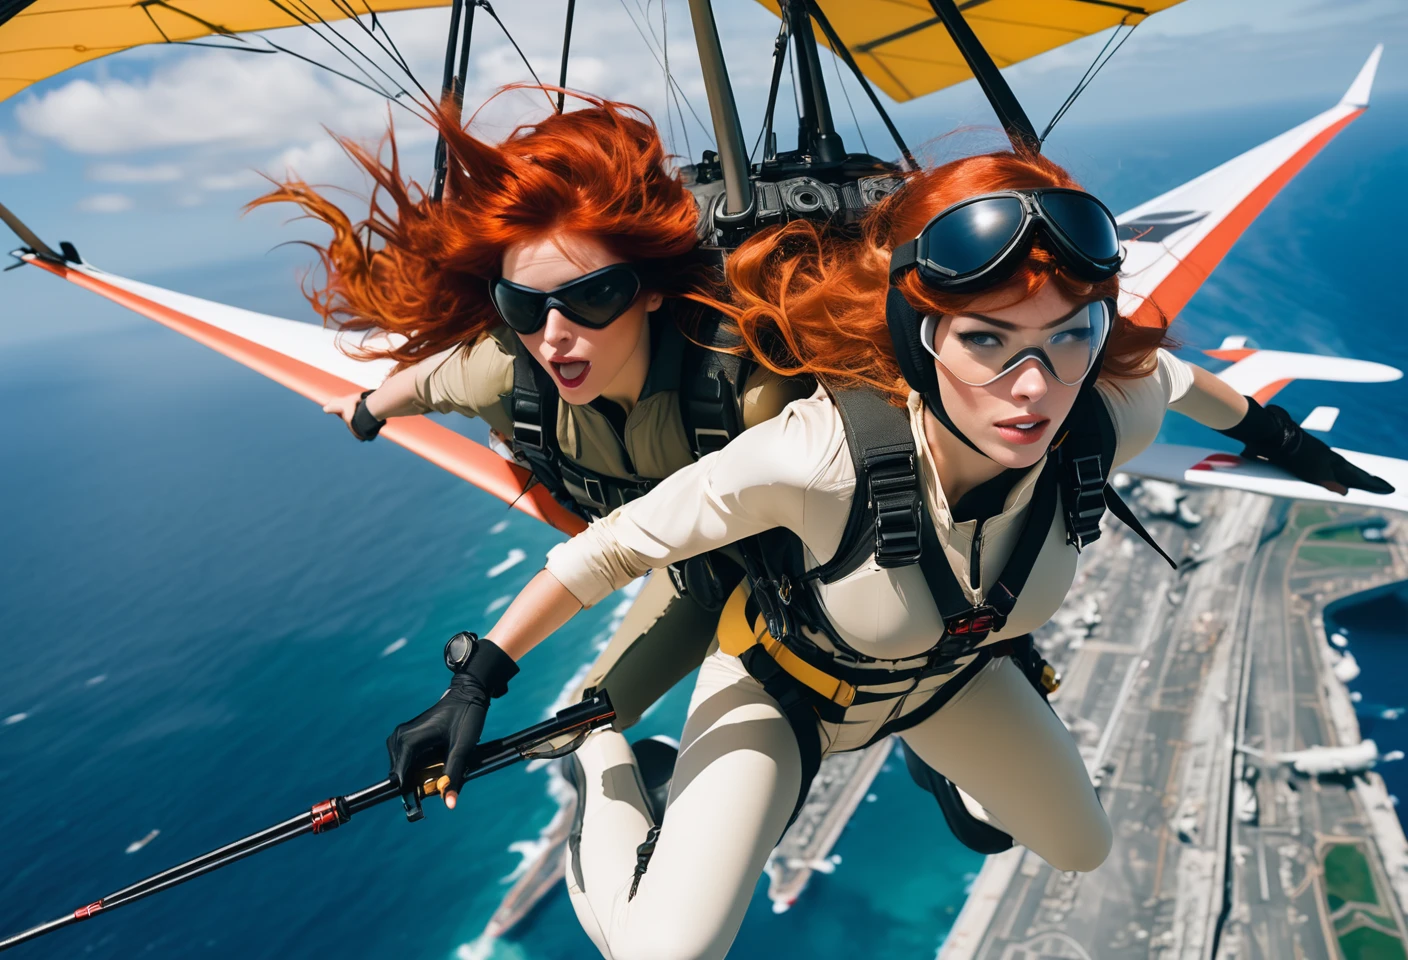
column 522, row 428
column 1083, row 517
column 676, row 575
column 784, row 591
column 894, row 495
column 701, row 432
column 595, row 491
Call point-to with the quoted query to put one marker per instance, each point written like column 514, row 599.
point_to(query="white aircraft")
column 1323, row 761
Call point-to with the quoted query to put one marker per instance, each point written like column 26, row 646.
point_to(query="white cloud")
column 11, row 163
column 208, row 98
column 106, row 203
column 239, row 180
column 131, row 173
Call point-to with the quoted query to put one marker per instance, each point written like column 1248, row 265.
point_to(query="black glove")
column 449, row 731
column 1272, row 434
column 364, row 425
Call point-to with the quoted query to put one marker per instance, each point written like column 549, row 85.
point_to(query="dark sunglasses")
column 593, row 300
column 981, row 241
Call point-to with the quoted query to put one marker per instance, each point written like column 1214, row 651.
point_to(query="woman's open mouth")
column 570, row 373
column 1023, row 430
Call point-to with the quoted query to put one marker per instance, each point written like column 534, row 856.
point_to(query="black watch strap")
column 479, row 657
column 364, row 425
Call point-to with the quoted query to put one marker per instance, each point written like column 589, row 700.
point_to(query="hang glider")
column 1174, row 240
column 42, row 38
column 903, row 47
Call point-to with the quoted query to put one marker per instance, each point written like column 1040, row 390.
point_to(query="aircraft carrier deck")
column 1176, row 672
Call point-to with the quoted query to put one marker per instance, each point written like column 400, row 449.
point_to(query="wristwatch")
column 460, row 649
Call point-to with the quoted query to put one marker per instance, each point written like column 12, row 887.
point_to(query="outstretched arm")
column 398, row 396
column 540, row 608
column 1211, row 401
column 1271, row 434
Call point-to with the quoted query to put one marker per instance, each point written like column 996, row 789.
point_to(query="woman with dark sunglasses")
column 553, row 294
column 968, row 343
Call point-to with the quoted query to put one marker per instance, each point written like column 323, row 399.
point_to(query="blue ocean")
column 216, row 605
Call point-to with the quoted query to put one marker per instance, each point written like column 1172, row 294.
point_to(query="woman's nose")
column 1029, row 383
column 557, row 328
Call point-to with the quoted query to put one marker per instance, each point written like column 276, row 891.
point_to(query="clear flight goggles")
column 977, row 350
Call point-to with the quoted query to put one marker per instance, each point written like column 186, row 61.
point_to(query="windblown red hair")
column 809, row 302
column 421, row 268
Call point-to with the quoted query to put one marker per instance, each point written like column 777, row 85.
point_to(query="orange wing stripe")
column 443, row 447
column 1173, row 294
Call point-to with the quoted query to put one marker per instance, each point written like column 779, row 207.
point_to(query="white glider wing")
column 1173, row 242
column 1172, row 245
column 308, row 360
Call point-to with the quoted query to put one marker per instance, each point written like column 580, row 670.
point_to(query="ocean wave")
column 499, row 527
column 94, row 681
column 528, row 851
column 136, row 845
column 514, row 558
column 393, row 646
column 498, row 603
column 14, row 718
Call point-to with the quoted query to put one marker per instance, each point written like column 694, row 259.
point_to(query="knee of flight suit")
column 1080, row 848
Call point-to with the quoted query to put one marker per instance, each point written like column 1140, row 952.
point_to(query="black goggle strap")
column 916, row 363
column 903, row 257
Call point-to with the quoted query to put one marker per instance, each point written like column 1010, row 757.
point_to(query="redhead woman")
column 902, row 529
column 550, row 295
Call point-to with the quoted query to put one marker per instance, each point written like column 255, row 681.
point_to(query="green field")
column 1348, row 533
column 1308, row 515
column 1366, row 943
column 1348, row 878
column 1328, row 556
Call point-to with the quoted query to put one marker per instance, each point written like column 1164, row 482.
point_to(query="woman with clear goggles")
column 975, row 314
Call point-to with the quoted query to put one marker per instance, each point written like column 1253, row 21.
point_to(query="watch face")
column 459, row 649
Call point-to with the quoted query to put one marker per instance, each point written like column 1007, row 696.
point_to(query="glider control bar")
column 551, row 738
column 28, row 237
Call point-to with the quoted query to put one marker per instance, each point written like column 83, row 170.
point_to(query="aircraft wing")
column 904, row 49
column 307, row 359
column 1205, row 467
column 1173, row 242
column 42, row 38
column 1261, row 374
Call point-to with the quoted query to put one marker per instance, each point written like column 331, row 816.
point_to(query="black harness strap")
column 1086, row 453
column 533, row 409
column 710, row 388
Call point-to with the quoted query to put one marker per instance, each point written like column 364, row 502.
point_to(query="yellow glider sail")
column 47, row 37
column 903, row 48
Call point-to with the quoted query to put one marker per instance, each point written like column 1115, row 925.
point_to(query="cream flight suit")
column 739, row 772
column 663, row 637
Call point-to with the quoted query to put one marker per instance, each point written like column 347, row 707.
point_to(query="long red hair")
column 421, row 268
column 810, row 302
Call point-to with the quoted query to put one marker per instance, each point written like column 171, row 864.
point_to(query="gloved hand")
column 449, row 730
column 1272, row 434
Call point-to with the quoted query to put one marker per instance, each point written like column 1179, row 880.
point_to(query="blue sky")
column 144, row 159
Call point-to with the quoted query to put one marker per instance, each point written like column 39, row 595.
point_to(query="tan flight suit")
column 739, row 769
column 664, row 636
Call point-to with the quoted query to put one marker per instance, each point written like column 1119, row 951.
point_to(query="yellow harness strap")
column 736, row 635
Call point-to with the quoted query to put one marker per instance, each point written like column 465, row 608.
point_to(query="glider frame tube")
column 723, row 110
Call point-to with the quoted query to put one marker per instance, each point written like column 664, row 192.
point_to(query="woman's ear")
column 654, row 301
